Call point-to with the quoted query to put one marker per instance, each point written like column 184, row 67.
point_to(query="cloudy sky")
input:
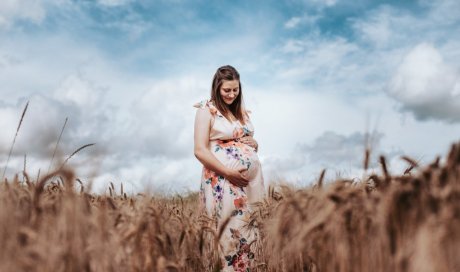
column 320, row 76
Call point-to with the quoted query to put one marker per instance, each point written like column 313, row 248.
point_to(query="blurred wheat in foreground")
column 384, row 223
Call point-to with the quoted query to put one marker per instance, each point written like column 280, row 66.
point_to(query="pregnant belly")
column 234, row 154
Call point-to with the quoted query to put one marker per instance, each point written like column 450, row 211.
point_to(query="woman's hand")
column 237, row 176
column 249, row 141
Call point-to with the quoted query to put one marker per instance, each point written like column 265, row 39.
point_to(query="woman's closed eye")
column 229, row 90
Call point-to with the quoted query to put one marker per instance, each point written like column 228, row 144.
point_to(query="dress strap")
column 207, row 104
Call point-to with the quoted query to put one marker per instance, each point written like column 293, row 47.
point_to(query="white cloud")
column 89, row 121
column 77, row 90
column 326, row 3
column 305, row 19
column 38, row 129
column 160, row 121
column 426, row 85
column 141, row 117
column 159, row 175
column 89, row 118
column 293, row 22
column 148, row 141
column 12, row 10
column 393, row 27
column 378, row 27
column 340, row 155
column 443, row 13
column 113, row 3
column 39, row 133
column 330, row 3
column 293, row 46
column 335, row 150
column 328, row 64
column 7, row 61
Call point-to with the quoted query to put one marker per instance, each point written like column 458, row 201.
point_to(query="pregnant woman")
column 232, row 175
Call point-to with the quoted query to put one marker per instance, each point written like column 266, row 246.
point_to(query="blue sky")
column 317, row 75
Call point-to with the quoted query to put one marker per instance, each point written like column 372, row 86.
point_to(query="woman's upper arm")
column 202, row 128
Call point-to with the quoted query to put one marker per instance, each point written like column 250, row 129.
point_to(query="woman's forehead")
column 230, row 84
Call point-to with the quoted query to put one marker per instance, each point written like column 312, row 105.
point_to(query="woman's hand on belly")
column 249, row 140
column 237, row 176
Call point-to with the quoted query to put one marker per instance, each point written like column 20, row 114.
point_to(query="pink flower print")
column 224, row 144
column 239, row 203
column 208, row 174
column 240, row 264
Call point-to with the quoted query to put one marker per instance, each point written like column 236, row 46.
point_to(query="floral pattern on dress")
column 216, row 183
column 240, row 260
column 236, row 150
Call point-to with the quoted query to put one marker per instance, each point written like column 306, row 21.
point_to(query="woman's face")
column 229, row 90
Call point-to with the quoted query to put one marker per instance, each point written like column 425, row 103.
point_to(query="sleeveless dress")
column 220, row 199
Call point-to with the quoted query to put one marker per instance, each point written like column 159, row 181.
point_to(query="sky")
column 323, row 79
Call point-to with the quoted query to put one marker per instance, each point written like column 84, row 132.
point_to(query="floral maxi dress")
column 221, row 199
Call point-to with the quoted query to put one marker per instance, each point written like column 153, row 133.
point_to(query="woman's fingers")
column 244, row 176
column 245, row 139
column 241, row 168
column 249, row 141
column 243, row 173
column 237, row 177
column 243, row 180
column 239, row 183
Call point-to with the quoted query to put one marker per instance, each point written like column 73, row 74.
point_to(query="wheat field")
column 406, row 222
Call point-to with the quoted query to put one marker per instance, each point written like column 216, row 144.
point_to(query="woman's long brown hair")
column 227, row 72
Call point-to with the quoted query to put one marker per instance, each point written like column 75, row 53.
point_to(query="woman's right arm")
column 203, row 154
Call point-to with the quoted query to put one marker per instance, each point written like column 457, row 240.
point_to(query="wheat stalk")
column 14, row 139
column 57, row 144
column 321, row 178
column 75, row 152
column 24, row 169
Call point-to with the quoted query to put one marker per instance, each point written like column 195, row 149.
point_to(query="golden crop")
column 408, row 222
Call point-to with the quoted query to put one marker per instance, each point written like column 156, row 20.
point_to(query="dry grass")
column 409, row 222
column 392, row 223
column 49, row 226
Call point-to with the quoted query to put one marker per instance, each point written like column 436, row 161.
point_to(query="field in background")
column 408, row 222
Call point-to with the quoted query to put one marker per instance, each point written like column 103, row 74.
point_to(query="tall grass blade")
column 57, row 144
column 75, row 152
column 14, row 140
